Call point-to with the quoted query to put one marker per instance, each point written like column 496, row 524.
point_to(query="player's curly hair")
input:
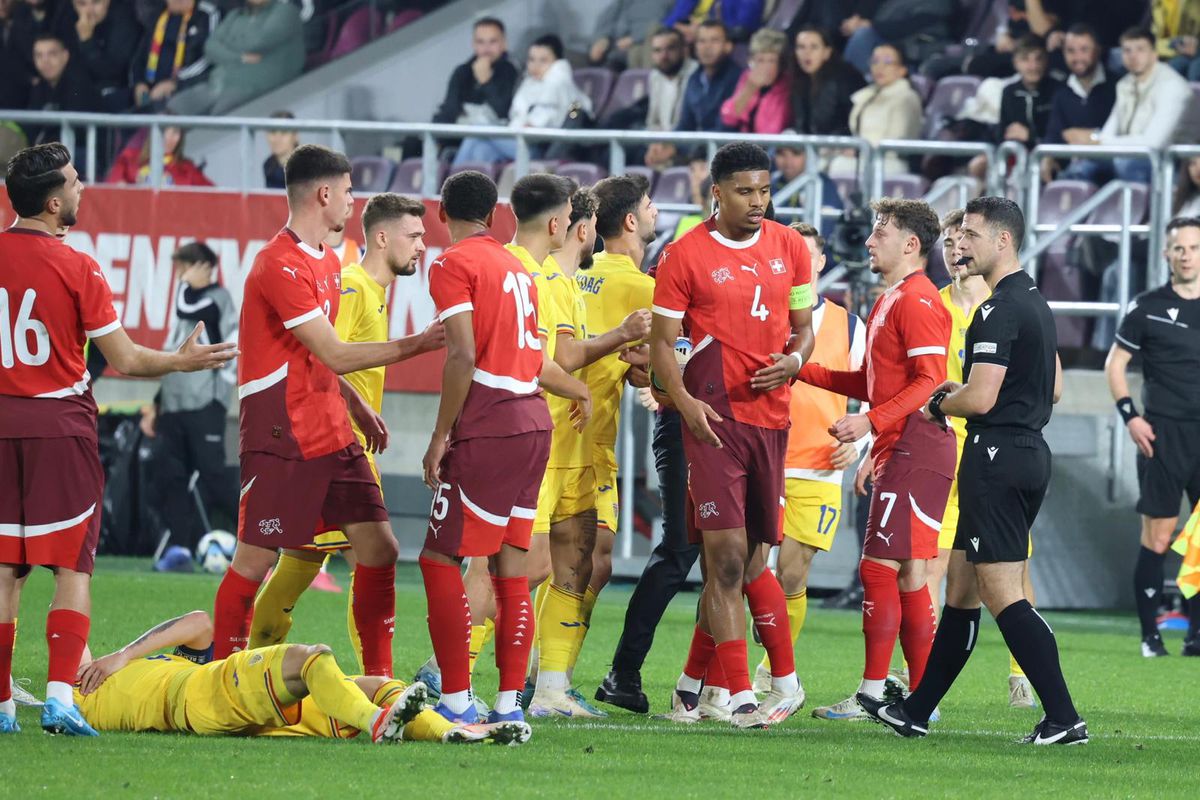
column 1000, row 214
column 538, row 194
column 912, row 216
column 469, row 196
column 618, row 197
column 738, row 157
column 583, row 205
column 34, row 175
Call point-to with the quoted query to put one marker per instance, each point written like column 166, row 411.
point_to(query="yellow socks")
column 797, row 609
column 278, row 596
column 335, row 694
column 1014, row 668
column 585, row 616
column 560, row 625
column 351, row 628
column 480, row 636
column 428, row 726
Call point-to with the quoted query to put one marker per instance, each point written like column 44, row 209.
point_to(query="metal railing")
column 1170, row 164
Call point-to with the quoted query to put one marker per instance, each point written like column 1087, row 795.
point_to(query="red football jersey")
column 52, row 299
column 907, row 333
column 290, row 402
column 478, row 275
column 734, row 298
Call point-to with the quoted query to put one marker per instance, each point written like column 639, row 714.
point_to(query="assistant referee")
column 1013, row 378
column 1163, row 327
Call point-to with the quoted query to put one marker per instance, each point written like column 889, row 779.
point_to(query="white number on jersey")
column 757, row 309
column 15, row 335
column 890, row 499
column 517, row 284
column 441, row 503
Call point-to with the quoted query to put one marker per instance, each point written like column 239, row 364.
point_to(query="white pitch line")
column 816, row 729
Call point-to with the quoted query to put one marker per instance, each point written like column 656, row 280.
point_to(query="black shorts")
column 1002, row 480
column 1174, row 469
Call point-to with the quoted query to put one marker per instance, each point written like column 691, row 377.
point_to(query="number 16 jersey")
column 478, row 275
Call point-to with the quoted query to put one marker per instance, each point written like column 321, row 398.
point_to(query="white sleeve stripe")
column 452, row 310
column 926, row 351
column 303, row 318
column 103, row 331
column 1126, row 342
column 668, row 312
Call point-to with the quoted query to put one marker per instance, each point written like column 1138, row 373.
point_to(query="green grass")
column 1142, row 716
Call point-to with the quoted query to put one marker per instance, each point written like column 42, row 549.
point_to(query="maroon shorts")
column 285, row 501
column 50, row 498
column 740, row 484
column 912, row 484
column 488, row 494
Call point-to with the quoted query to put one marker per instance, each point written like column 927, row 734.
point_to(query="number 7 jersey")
column 479, row 275
column 735, row 299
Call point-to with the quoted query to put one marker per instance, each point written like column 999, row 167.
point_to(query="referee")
column 1013, row 379
column 1163, row 327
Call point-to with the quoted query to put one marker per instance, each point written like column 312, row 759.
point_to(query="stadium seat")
column 947, row 99
column 489, row 168
column 358, row 29
column 674, row 186
column 909, row 187
column 508, row 174
column 1109, row 212
column 846, row 185
column 596, row 83
column 1062, row 281
column 408, row 178
column 785, row 11
column 631, row 86
column 949, row 200
column 650, row 175
column 1058, row 198
column 1196, row 92
column 371, row 173
column 985, row 17
column 584, row 174
column 922, row 84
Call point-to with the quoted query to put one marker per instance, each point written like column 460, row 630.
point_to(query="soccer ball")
column 683, row 352
column 215, row 551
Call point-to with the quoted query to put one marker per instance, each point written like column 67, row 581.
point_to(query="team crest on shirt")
column 708, row 509
column 270, row 527
column 721, row 275
column 777, row 267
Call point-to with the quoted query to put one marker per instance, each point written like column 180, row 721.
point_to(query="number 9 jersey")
column 478, row 275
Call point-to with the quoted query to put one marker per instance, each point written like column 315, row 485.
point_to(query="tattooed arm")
column 192, row 630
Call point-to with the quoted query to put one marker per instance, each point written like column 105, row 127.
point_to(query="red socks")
column 881, row 617
column 66, row 636
column 917, row 628
column 514, row 631
column 733, row 658
column 374, row 609
column 450, row 623
column 768, row 606
column 232, row 611
column 8, row 636
column 715, row 677
column 700, row 654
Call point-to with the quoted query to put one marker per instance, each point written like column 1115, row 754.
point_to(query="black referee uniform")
column 1005, row 465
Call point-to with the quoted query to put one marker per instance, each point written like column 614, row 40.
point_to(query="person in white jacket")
column 543, row 100
column 888, row 108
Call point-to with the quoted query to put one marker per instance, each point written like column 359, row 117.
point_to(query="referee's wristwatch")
column 935, row 406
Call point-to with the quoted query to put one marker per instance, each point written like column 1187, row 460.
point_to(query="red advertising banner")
column 132, row 232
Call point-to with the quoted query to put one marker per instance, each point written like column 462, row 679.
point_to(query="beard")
column 403, row 268
column 67, row 218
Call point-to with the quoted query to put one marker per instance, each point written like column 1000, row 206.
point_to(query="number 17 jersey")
column 478, row 275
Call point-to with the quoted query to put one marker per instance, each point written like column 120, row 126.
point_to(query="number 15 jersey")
column 479, row 275
column 735, row 298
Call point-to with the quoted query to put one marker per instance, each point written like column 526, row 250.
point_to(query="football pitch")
column 1143, row 717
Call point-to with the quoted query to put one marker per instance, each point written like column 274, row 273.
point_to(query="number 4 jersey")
column 735, row 299
column 52, row 299
column 478, row 275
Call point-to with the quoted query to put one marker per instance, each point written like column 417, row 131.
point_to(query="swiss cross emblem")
column 777, row 267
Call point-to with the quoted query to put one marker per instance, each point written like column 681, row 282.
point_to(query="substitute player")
column 491, row 417
column 301, row 467
column 53, row 300
column 907, row 332
column 1013, row 380
column 815, row 462
column 393, row 230
column 1163, row 327
column 743, row 285
column 282, row 690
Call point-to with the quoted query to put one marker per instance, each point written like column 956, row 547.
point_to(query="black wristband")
column 1127, row 409
column 935, row 405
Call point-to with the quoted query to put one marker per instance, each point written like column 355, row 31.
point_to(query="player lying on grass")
column 283, row 690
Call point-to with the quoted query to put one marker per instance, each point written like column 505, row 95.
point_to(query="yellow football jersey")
column 956, row 354
column 548, row 313
column 612, row 289
column 363, row 317
column 144, row 695
column 568, row 447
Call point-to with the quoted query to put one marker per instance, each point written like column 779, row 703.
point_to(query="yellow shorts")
column 333, row 541
column 565, row 492
column 812, row 511
column 608, row 501
column 240, row 694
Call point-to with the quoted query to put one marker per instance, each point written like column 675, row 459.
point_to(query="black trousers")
column 673, row 557
column 187, row 442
